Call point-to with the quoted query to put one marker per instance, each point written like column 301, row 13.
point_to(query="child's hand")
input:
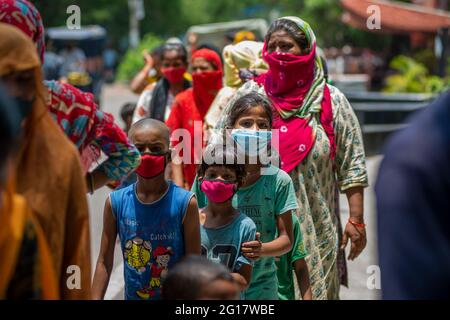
column 240, row 281
column 252, row 249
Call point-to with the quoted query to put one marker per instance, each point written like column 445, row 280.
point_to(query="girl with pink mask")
column 223, row 228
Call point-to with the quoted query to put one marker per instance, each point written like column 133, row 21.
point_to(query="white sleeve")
column 141, row 110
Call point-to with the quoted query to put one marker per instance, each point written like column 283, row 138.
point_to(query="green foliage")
column 413, row 77
column 173, row 17
column 328, row 28
column 324, row 16
column 133, row 61
column 427, row 58
column 448, row 67
column 435, row 84
column 113, row 15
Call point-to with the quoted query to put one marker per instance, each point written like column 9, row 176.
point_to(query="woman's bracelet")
column 356, row 224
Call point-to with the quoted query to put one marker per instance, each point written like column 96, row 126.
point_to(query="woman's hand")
column 355, row 228
column 358, row 238
column 252, row 249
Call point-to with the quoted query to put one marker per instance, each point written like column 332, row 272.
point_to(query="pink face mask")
column 218, row 191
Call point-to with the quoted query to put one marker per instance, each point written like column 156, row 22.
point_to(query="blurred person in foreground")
column 413, row 199
column 26, row 268
column 197, row 278
column 76, row 113
column 48, row 171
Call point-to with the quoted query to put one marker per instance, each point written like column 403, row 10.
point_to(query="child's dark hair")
column 245, row 103
column 127, row 110
column 186, row 280
column 292, row 29
column 224, row 156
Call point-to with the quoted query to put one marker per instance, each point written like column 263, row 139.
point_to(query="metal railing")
column 381, row 114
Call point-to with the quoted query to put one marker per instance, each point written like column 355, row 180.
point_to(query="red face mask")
column 206, row 85
column 289, row 78
column 174, row 75
column 290, row 73
column 217, row 190
column 151, row 166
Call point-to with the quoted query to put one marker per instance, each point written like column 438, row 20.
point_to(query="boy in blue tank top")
column 157, row 221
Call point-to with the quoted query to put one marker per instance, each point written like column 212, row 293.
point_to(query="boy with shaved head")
column 157, row 221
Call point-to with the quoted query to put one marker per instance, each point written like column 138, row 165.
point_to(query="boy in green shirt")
column 294, row 261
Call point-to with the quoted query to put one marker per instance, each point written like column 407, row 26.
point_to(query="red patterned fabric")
column 288, row 81
column 87, row 126
column 23, row 15
column 289, row 78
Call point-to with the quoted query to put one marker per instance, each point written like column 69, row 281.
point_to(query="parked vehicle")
column 217, row 33
column 91, row 40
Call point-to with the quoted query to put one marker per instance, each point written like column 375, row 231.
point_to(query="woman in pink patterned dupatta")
column 320, row 146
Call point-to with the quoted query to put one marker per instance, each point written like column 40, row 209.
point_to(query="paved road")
column 117, row 95
column 358, row 269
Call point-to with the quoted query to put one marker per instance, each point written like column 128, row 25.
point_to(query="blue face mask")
column 252, row 142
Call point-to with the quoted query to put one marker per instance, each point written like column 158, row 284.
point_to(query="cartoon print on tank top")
column 159, row 269
column 138, row 253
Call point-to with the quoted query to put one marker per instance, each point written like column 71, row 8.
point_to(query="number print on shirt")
column 224, row 253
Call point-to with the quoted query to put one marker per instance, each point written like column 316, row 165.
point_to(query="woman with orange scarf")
column 48, row 169
column 188, row 113
column 26, row 270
